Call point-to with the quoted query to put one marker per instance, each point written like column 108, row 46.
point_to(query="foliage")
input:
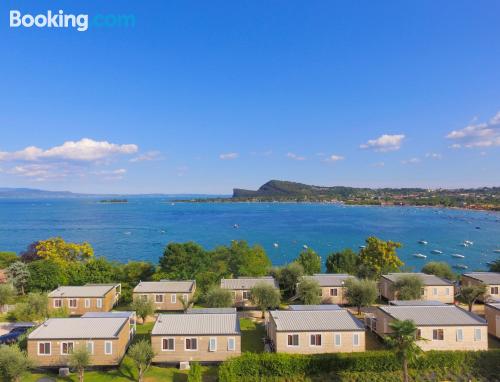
column 309, row 292
column 310, row 261
column 57, row 249
column 18, row 274
column 403, row 340
column 218, row 298
column 7, row 258
column 248, row 261
column 378, row 256
column 495, row 266
column 79, row 359
column 181, row 261
column 34, row 308
column 265, row 296
column 14, row 363
column 143, row 308
column 288, row 277
column 470, row 294
column 46, row 275
column 186, row 303
column 360, row 293
column 135, row 271
column 345, row 261
column 440, row 269
column 7, row 294
column 408, row 287
column 142, row 354
column 194, row 374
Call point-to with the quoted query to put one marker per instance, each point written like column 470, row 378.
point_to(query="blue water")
column 140, row 229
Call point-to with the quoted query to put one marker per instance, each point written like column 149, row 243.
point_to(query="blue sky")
column 204, row 96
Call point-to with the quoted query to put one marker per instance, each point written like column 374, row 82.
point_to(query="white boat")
column 236, row 226
column 464, row 244
column 460, row 266
column 423, row 242
column 275, row 245
column 362, row 246
column 305, row 246
column 419, row 255
column 437, row 252
column 458, row 255
column 468, row 242
column 496, row 250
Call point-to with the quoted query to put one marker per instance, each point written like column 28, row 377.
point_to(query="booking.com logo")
column 80, row 22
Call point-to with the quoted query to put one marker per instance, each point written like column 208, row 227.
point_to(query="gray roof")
column 247, row 282
column 211, row 310
column 196, row 324
column 165, row 286
column 416, row 303
column 445, row 315
column 329, row 279
column 94, row 290
column 319, row 320
column 490, row 278
column 78, row 328
column 114, row 314
column 315, row 307
column 428, row 280
column 494, row 305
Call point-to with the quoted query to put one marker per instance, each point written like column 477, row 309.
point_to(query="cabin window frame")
column 313, row 337
column 167, row 339
column 233, row 341
column 110, row 343
column 44, row 343
column 292, row 344
column 69, row 349
column 190, row 348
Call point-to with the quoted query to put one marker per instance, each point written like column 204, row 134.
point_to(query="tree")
column 182, row 261
column 194, row 374
column 142, row 355
column 288, row 277
column 380, row 256
column 135, row 271
column 248, row 261
column 46, row 275
column 310, row 261
column 18, row 275
column 403, row 340
column 309, row 292
column 408, row 287
column 58, row 250
column 143, row 308
column 14, row 363
column 7, row 294
column 7, row 258
column 265, row 296
column 99, row 270
column 440, row 269
column 469, row 294
column 360, row 293
column 217, row 297
column 186, row 303
column 79, row 359
column 495, row 266
column 345, row 261
column 34, row 308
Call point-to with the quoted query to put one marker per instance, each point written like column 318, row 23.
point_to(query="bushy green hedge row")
column 256, row 367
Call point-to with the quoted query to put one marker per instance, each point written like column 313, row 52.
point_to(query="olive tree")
column 265, row 296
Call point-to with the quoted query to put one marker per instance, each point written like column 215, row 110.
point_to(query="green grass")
column 251, row 336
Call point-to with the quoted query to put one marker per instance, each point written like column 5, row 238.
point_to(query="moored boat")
column 420, row 256
column 437, row 252
column 460, row 266
column 458, row 255
column 423, row 242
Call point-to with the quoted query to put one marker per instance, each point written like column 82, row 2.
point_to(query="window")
column 57, row 303
column 422, row 291
column 438, row 335
column 185, row 297
column 87, row 303
column 44, row 348
column 338, row 339
column 246, row 295
column 99, row 302
column 477, row 334
column 90, row 347
column 66, row 348
column 447, row 291
column 231, row 344
column 158, row 298
column 435, row 291
column 334, row 292
column 419, row 334
column 355, row 339
column 168, row 344
column 72, row 303
column 293, row 340
column 460, row 335
column 212, row 344
column 315, row 340
column 494, row 290
column 191, row 344
column 173, row 298
column 108, row 347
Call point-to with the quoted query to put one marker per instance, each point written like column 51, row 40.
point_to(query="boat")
column 460, row 266
column 496, row 250
column 419, row 255
column 236, row 226
column 464, row 244
column 305, row 246
column 437, row 252
column 468, row 242
column 275, row 245
column 423, row 242
column 458, row 255
column 362, row 246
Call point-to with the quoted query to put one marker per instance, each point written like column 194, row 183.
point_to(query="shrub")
column 194, row 374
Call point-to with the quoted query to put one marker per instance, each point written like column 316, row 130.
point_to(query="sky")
column 205, row 96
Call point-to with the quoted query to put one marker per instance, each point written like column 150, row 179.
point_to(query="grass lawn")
column 252, row 333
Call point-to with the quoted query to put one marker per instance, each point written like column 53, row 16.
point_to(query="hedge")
column 269, row 366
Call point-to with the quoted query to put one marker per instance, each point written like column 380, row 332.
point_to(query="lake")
column 140, row 229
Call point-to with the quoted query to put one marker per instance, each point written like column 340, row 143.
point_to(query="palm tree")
column 79, row 360
column 403, row 340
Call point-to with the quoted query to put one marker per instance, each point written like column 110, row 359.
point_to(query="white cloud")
column 229, row 156
column 433, row 156
column 486, row 134
column 385, row 143
column 411, row 161
column 41, row 172
column 295, row 156
column 334, row 158
column 83, row 150
column 149, row 156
